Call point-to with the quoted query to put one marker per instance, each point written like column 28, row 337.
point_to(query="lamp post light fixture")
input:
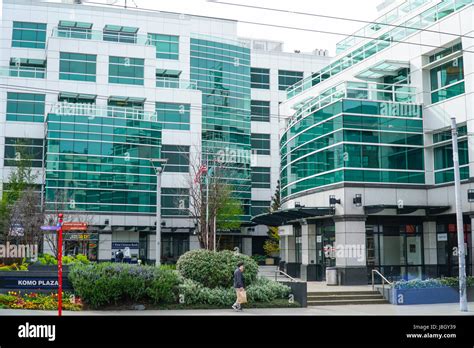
column 357, row 200
column 333, row 201
column 159, row 166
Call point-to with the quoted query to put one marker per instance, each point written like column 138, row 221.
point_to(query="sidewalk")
column 378, row 310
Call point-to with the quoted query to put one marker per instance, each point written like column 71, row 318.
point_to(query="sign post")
column 60, row 264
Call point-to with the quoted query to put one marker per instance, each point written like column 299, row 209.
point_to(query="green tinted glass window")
column 167, row 46
column 177, row 156
column 260, row 78
column 29, row 35
column 25, row 107
column 77, row 66
column 174, row 116
column 126, row 70
column 260, row 177
column 174, row 201
column 261, row 144
column 26, row 150
column 447, row 80
column 260, row 110
column 260, row 207
column 287, row 78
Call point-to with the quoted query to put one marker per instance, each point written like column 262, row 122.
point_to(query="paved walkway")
column 383, row 309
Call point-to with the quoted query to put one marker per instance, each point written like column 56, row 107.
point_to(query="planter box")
column 427, row 296
column 38, row 267
column 269, row 262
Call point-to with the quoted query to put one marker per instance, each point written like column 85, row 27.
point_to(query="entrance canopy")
column 407, row 209
column 283, row 217
column 382, row 69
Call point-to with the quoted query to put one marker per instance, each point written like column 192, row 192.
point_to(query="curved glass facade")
column 222, row 72
column 353, row 140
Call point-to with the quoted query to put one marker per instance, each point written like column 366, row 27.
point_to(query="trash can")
column 331, row 276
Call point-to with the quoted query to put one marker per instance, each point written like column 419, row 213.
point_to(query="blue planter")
column 426, row 296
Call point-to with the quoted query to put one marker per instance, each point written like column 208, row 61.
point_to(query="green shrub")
column 215, row 269
column 48, row 259
column 164, row 286
column 431, row 283
column 266, row 290
column 192, row 292
column 101, row 284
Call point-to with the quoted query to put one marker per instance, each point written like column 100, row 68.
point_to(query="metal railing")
column 18, row 71
column 384, row 280
column 279, row 271
column 163, row 82
column 100, row 35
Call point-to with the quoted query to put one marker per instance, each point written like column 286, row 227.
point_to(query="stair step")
column 346, row 297
column 335, row 293
column 346, row 302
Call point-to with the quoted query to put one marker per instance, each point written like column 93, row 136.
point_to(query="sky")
column 294, row 39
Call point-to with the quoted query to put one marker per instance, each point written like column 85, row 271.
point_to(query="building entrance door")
column 325, row 245
column 447, row 240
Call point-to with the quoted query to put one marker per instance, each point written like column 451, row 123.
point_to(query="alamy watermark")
column 345, row 251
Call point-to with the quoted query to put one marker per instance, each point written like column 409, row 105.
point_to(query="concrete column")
column 312, row 244
column 105, row 247
column 304, row 243
column 291, row 247
column 284, row 248
column 247, row 246
column 351, row 249
column 430, row 249
column 151, row 248
column 194, row 242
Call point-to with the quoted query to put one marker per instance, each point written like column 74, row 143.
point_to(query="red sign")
column 74, row 226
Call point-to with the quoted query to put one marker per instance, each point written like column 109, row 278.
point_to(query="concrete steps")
column 269, row 272
column 332, row 298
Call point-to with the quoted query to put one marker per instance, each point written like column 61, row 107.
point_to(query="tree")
column 224, row 208
column 272, row 244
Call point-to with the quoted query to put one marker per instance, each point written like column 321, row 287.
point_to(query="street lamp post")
column 459, row 220
column 159, row 166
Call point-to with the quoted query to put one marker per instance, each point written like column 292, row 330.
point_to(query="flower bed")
column 18, row 300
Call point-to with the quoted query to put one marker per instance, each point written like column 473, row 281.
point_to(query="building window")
column 23, row 149
column 178, row 158
column 173, row 246
column 174, row 116
column 30, row 68
column 167, row 46
column 125, row 107
column 77, row 66
column 174, row 201
column 29, row 35
column 260, row 177
column 443, row 156
column 287, row 78
column 447, row 79
column 260, row 207
column 260, row 110
column 75, row 30
column 260, row 78
column 261, row 143
column 126, row 70
column 116, row 33
column 25, row 107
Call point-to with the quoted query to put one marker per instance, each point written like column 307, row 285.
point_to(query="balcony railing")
column 18, row 71
column 163, row 82
column 380, row 23
column 99, row 35
column 400, row 33
column 92, row 111
column 396, row 93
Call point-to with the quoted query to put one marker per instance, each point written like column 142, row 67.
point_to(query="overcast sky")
column 294, row 39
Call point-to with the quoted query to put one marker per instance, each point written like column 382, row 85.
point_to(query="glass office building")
column 366, row 152
column 92, row 93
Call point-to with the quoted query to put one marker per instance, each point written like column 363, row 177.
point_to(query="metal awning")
column 71, row 95
column 407, row 209
column 381, row 69
column 283, row 217
column 168, row 73
column 78, row 25
column 127, row 99
column 121, row 29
